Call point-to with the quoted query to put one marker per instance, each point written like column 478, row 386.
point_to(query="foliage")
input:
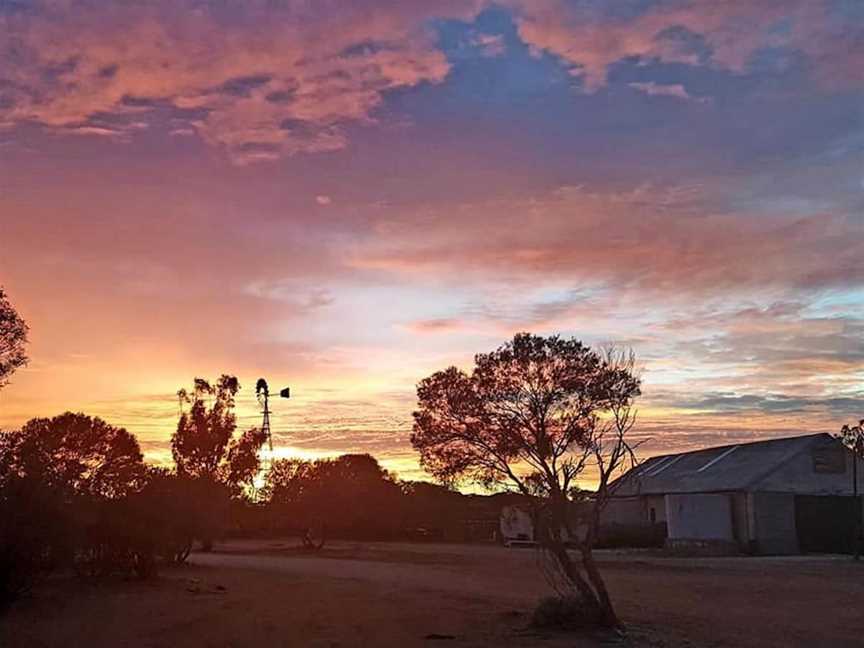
column 75, row 454
column 34, row 534
column 211, row 464
column 852, row 437
column 351, row 494
column 13, row 339
column 203, row 433
column 241, row 463
column 530, row 402
column 536, row 413
column 67, row 488
column 203, row 446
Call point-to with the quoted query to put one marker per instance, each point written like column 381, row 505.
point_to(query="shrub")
column 34, row 536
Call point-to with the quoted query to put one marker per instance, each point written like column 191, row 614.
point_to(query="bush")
column 115, row 537
column 565, row 613
column 34, row 536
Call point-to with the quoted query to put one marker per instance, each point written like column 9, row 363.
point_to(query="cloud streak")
column 649, row 239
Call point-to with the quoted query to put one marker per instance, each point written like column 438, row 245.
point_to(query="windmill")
column 262, row 393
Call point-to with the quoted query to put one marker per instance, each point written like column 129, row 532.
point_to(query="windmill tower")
column 262, row 393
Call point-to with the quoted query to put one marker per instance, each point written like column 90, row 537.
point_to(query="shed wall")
column 699, row 517
column 624, row 511
column 799, row 476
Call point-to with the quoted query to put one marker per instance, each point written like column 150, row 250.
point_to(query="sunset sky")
column 344, row 197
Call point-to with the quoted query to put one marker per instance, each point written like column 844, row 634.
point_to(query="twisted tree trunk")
column 591, row 587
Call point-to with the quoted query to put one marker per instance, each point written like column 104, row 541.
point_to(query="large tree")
column 212, row 465
column 535, row 414
column 204, row 446
column 13, row 339
column 75, row 454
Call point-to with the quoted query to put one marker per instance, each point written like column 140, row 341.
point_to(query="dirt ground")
column 390, row 594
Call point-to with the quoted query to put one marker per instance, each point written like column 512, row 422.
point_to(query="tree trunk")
column 607, row 611
column 592, row 591
column 572, row 572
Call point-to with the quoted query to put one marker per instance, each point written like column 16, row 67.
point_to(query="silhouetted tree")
column 536, row 413
column 35, row 533
column 29, row 521
column 165, row 511
column 203, row 444
column 351, row 495
column 64, row 487
column 213, row 465
column 75, row 454
column 242, row 462
column 203, row 433
column 852, row 437
column 287, row 482
column 13, row 339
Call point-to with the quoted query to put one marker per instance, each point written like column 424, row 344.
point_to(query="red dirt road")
column 389, row 594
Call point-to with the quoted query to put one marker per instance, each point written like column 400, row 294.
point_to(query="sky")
column 345, row 197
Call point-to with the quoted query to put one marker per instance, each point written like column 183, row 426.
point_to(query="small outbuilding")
column 781, row 496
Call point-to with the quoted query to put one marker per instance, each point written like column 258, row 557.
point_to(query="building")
column 780, row 496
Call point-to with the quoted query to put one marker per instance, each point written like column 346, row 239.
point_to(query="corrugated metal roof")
column 724, row 468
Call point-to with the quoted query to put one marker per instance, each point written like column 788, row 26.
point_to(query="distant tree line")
column 77, row 495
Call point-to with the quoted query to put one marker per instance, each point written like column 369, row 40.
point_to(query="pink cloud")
column 260, row 83
column 589, row 39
